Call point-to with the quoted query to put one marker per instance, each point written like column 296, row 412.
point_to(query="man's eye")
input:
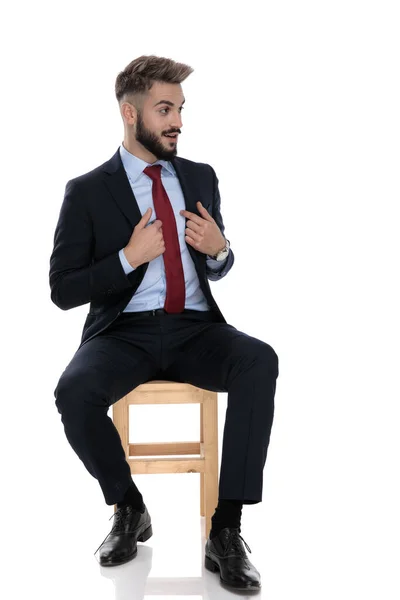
column 168, row 109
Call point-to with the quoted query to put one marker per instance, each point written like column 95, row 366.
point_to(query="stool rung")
column 164, row 448
column 141, row 466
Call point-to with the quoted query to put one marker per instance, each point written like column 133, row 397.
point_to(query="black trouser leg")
column 224, row 359
column 102, row 371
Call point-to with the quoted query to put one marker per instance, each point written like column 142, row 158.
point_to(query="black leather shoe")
column 225, row 553
column 130, row 526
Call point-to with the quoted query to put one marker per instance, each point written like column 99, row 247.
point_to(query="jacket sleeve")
column 75, row 278
column 214, row 272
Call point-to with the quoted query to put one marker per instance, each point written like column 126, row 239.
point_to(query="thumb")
column 145, row 219
column 203, row 211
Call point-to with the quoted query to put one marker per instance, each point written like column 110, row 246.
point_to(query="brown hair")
column 133, row 83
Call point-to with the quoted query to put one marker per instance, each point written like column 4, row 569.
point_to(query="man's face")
column 161, row 115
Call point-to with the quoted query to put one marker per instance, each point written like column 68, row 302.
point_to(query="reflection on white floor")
column 135, row 581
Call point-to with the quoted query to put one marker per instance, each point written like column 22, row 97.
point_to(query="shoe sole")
column 210, row 565
column 142, row 538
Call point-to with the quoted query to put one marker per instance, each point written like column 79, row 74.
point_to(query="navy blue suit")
column 120, row 350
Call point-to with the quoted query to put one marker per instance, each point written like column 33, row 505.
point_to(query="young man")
column 139, row 237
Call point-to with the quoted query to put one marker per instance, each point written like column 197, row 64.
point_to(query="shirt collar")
column 135, row 166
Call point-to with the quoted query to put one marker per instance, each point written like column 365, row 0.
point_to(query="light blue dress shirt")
column 151, row 292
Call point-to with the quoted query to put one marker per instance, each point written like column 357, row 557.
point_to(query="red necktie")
column 175, row 297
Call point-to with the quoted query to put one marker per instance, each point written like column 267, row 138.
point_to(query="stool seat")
column 205, row 451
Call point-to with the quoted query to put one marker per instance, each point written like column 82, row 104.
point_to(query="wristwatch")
column 222, row 254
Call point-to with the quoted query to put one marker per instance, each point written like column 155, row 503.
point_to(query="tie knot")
column 154, row 172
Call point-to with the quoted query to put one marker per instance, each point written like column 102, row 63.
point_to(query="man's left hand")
column 202, row 232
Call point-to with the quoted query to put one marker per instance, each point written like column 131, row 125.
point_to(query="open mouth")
column 171, row 137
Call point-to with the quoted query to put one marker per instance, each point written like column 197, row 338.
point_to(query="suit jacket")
column 96, row 220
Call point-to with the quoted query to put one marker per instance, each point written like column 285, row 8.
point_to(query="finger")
column 190, row 233
column 204, row 212
column 187, row 213
column 191, row 241
column 192, row 216
column 194, row 226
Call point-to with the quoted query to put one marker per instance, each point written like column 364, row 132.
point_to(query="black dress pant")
column 189, row 347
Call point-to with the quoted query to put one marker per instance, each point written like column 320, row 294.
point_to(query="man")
column 139, row 238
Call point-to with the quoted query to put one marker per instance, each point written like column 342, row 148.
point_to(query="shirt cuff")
column 124, row 262
column 215, row 265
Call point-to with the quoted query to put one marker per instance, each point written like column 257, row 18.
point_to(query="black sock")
column 227, row 514
column 133, row 497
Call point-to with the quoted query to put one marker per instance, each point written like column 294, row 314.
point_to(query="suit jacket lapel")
column 118, row 184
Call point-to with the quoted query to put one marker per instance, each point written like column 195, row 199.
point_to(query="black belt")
column 161, row 311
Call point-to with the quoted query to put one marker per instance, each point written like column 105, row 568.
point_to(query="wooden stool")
column 169, row 392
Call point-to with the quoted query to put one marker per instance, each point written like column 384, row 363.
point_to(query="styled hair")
column 134, row 82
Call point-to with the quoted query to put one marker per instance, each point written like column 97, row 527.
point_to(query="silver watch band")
column 226, row 247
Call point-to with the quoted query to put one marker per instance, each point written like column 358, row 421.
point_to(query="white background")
column 296, row 107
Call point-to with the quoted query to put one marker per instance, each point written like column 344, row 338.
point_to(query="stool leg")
column 120, row 417
column 202, row 503
column 210, row 436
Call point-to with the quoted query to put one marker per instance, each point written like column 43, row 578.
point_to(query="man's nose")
column 177, row 123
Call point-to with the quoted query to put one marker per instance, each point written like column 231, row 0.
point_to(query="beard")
column 160, row 146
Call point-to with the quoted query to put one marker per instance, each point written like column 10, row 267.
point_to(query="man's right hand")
column 146, row 243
